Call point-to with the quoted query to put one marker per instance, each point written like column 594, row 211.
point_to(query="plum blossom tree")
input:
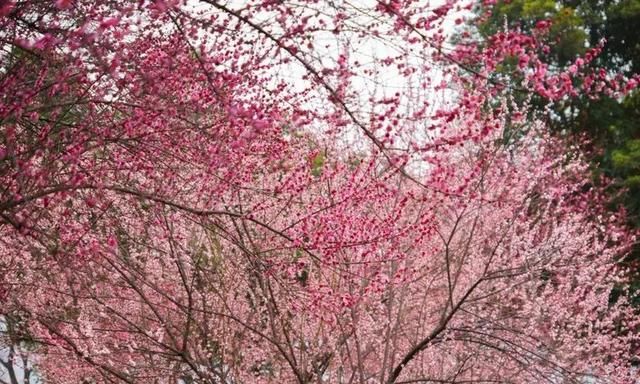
column 304, row 192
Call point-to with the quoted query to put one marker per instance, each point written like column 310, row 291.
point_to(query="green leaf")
column 317, row 163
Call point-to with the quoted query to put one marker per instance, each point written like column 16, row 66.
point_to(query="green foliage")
column 620, row 30
column 567, row 36
column 317, row 163
column 627, row 158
